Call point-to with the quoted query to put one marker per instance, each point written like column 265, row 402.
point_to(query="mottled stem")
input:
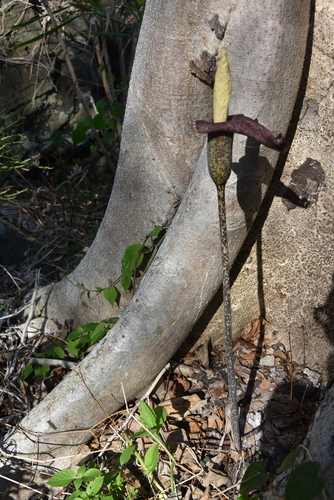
column 219, row 162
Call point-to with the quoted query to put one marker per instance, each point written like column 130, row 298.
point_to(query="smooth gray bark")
column 266, row 51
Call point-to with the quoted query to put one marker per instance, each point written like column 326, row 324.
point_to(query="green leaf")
column 74, row 348
column 57, row 138
column 93, row 473
column 98, row 333
column 26, row 23
column 82, row 7
column 87, row 123
column 89, row 327
column 141, row 433
column 131, row 259
column 113, row 478
column 94, row 486
column 126, row 271
column 304, row 483
column 81, row 471
column 160, row 415
column 254, row 477
column 157, row 230
column 73, row 335
column 42, row 371
column 117, row 109
column 112, row 124
column 126, row 282
column 100, row 121
column 59, row 352
column 27, row 371
column 147, row 415
column 126, row 455
column 81, row 495
column 42, row 36
column 151, row 458
column 171, row 476
column 77, row 483
column 34, row 19
column 101, row 104
column 288, row 461
column 62, row 478
column 79, row 134
column 101, row 67
column 111, row 294
column 107, row 136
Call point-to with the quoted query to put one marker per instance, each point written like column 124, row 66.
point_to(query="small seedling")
column 91, row 483
column 75, row 344
column 303, row 482
column 135, row 262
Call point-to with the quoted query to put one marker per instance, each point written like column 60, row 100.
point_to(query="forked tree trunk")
column 265, row 42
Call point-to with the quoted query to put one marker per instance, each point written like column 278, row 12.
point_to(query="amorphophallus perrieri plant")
column 220, row 138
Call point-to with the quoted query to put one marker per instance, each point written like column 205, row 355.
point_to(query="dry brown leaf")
column 278, row 363
column 214, row 422
column 184, row 456
column 251, row 356
column 280, row 354
column 206, row 494
column 194, row 427
column 216, row 478
column 255, row 329
column 177, row 407
column 175, row 437
column 180, row 385
column 265, row 384
column 202, row 353
column 244, row 344
column 219, row 393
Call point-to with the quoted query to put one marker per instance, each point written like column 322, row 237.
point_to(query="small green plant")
column 136, row 259
column 86, row 336
column 105, row 122
column 303, row 482
column 42, row 371
column 75, row 344
column 91, row 483
column 10, row 154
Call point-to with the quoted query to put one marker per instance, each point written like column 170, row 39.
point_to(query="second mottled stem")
column 219, row 162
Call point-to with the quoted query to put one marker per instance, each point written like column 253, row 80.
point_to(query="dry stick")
column 219, row 163
column 76, row 85
column 53, row 362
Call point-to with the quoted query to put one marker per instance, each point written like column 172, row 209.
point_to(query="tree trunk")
column 160, row 148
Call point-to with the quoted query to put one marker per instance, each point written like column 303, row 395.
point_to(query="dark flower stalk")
column 220, row 138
